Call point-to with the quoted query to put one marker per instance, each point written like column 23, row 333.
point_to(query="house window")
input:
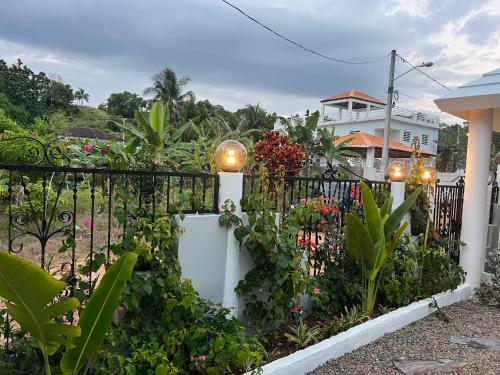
column 354, row 131
column 425, row 139
column 406, row 136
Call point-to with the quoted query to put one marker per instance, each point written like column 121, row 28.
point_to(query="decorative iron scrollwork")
column 37, row 152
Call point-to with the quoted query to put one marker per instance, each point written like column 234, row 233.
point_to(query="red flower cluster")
column 307, row 244
column 277, row 152
column 356, row 192
column 323, row 205
column 296, row 309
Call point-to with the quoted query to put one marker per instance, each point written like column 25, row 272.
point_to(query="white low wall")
column 202, row 252
column 310, row 358
column 210, row 257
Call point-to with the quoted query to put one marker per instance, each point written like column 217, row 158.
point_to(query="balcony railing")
column 398, row 113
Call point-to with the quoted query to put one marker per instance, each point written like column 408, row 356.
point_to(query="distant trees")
column 451, row 148
column 170, row 89
column 81, row 96
column 255, row 117
column 123, row 104
column 58, row 97
column 25, row 95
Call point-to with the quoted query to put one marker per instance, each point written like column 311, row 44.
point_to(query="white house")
column 352, row 112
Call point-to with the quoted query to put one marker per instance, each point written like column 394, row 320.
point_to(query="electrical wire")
column 300, row 45
column 420, row 101
column 424, row 73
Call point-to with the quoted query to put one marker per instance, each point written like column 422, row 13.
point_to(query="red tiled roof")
column 356, row 94
column 364, row 140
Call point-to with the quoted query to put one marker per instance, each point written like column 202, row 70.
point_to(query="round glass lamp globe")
column 230, row 156
column 397, row 171
column 428, row 174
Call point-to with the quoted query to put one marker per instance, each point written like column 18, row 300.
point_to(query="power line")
column 425, row 74
column 300, row 45
column 422, row 100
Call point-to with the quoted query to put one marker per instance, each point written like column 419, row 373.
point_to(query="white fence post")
column 398, row 190
column 231, row 187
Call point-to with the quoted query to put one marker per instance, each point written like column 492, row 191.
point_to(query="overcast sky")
column 108, row 46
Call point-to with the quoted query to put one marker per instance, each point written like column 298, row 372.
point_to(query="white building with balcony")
column 353, row 112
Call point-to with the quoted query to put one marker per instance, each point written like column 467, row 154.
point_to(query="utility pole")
column 388, row 113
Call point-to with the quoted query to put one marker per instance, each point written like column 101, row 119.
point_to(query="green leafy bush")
column 166, row 328
column 416, row 271
column 273, row 287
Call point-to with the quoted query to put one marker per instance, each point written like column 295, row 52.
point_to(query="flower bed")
column 308, row 359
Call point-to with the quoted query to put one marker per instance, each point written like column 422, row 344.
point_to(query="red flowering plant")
column 320, row 216
column 95, row 154
column 278, row 153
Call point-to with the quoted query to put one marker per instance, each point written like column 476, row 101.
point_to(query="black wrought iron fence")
column 68, row 218
column 343, row 194
column 448, row 205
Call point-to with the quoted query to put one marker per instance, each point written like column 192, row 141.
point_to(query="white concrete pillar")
column 231, row 187
column 323, row 114
column 369, row 170
column 398, row 190
column 474, row 216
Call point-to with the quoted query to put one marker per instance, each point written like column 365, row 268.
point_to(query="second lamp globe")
column 397, row 171
column 230, row 156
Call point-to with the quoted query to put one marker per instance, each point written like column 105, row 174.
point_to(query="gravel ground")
column 428, row 339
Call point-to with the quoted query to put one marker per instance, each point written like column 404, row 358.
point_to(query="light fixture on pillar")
column 428, row 174
column 230, row 156
column 397, row 171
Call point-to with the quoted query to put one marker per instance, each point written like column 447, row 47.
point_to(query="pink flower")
column 104, row 151
column 202, row 357
column 88, row 147
column 296, row 309
column 67, row 222
column 87, row 223
column 192, row 358
column 316, row 290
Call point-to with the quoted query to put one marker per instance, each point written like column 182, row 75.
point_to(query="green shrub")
column 338, row 286
column 415, row 272
column 166, row 327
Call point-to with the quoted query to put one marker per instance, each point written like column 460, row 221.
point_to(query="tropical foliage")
column 28, row 293
column 372, row 242
column 278, row 153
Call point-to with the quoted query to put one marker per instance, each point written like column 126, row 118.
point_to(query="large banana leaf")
column 98, row 313
column 372, row 212
column 29, row 293
column 359, row 244
column 394, row 220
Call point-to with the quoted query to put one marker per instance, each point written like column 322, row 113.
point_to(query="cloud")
column 114, row 45
column 414, row 8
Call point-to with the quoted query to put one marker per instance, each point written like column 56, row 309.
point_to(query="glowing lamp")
column 230, row 156
column 397, row 171
column 428, row 174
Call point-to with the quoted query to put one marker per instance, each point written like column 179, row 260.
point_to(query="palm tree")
column 169, row 89
column 81, row 95
column 331, row 151
column 255, row 117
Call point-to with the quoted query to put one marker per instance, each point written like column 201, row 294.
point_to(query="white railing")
column 378, row 114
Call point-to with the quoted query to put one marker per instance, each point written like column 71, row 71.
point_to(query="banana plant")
column 152, row 131
column 370, row 243
column 29, row 293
